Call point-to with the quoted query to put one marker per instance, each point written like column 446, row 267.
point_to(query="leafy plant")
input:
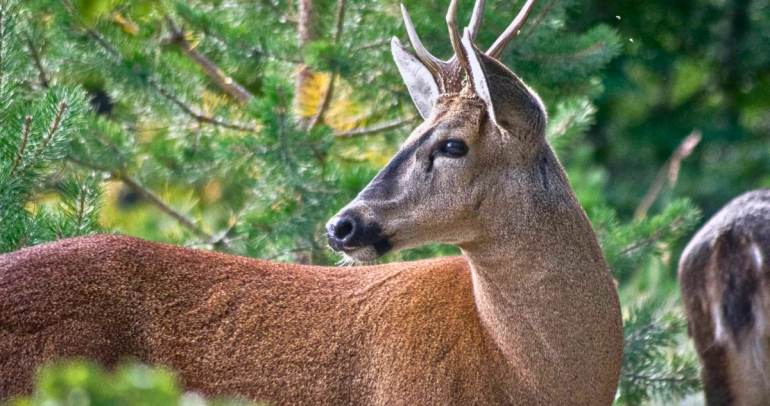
column 79, row 383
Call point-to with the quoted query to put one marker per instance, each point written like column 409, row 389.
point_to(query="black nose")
column 341, row 231
column 347, row 231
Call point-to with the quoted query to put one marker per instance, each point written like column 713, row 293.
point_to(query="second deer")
column 724, row 275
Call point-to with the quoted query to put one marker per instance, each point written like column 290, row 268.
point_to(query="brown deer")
column 725, row 281
column 529, row 315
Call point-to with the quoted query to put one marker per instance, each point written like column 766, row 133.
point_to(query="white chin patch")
column 365, row 254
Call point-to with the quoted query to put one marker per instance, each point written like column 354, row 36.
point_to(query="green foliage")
column 79, row 383
column 163, row 151
column 651, row 366
column 324, row 56
column 36, row 131
column 686, row 65
column 628, row 246
column 94, row 9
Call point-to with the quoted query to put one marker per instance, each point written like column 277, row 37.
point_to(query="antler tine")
column 497, row 48
column 478, row 15
column 431, row 62
column 454, row 34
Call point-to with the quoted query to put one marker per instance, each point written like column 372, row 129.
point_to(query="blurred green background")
column 243, row 125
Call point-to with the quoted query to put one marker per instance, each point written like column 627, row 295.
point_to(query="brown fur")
column 724, row 280
column 397, row 334
column 401, row 334
column 528, row 316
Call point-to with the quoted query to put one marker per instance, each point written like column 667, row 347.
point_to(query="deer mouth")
column 363, row 252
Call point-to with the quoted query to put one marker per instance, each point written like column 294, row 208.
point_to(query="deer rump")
column 725, row 282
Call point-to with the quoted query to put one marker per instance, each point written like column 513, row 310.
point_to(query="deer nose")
column 341, row 230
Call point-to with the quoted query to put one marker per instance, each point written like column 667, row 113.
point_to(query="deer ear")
column 418, row 79
column 510, row 103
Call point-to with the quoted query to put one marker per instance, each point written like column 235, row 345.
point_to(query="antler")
column 476, row 17
column 431, row 62
column 454, row 34
column 497, row 47
column 443, row 70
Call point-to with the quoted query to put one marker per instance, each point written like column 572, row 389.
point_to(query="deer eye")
column 453, row 148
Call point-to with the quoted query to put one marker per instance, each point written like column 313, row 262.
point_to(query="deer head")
column 481, row 146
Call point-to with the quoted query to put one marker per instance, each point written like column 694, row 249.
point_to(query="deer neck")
column 534, row 272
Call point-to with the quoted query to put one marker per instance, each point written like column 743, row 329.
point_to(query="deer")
column 527, row 315
column 724, row 279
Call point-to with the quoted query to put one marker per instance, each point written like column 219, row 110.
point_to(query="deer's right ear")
column 511, row 104
column 418, row 79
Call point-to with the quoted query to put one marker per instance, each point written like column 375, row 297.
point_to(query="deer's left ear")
column 510, row 102
column 418, row 79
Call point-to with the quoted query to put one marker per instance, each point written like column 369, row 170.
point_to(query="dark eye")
column 454, row 148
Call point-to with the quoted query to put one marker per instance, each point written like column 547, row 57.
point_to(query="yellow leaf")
column 212, row 101
column 212, row 192
column 342, row 114
column 192, row 40
column 310, row 93
column 129, row 27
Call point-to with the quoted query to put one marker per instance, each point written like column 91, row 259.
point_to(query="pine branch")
column 539, row 19
column 653, row 378
column 24, row 139
column 307, row 23
column 564, row 125
column 655, row 236
column 223, row 239
column 38, row 62
column 278, row 11
column 200, row 117
column 2, row 45
column 286, row 252
column 89, row 165
column 214, row 72
column 155, row 200
column 339, row 21
column 595, row 48
column 154, row 83
column 81, row 207
column 239, row 46
column 307, row 27
column 648, row 372
column 370, row 45
column 376, row 128
column 642, row 332
column 51, row 130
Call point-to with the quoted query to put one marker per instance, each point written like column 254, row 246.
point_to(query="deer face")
column 455, row 165
column 426, row 193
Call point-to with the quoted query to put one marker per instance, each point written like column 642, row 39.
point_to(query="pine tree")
column 36, row 126
column 243, row 126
